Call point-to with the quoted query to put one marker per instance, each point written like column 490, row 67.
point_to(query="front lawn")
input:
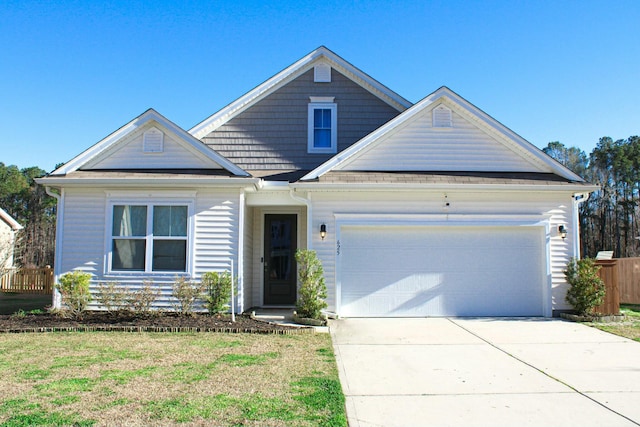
column 139, row 379
column 630, row 328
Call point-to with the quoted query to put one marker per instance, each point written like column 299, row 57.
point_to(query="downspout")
column 240, row 264
column 578, row 199
column 56, row 301
column 306, row 202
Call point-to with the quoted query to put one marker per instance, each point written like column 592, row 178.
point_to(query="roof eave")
column 570, row 187
column 63, row 181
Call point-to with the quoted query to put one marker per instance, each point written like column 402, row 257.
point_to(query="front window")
column 149, row 238
column 322, row 128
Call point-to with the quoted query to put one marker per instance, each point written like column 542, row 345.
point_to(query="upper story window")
column 149, row 238
column 323, row 125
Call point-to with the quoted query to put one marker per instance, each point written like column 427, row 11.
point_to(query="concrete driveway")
column 485, row 372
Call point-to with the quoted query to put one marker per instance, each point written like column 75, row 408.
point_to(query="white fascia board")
column 523, row 147
column 15, row 225
column 354, row 149
column 536, row 155
column 301, row 66
column 149, row 115
column 63, row 181
column 444, row 187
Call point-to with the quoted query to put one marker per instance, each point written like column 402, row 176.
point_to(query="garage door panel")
column 438, row 271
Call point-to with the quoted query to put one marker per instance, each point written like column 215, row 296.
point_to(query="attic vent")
column 322, row 73
column 442, row 117
column 152, row 141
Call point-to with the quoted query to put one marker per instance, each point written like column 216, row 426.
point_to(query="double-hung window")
column 323, row 125
column 149, row 237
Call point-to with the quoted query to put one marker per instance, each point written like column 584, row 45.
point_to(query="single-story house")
column 9, row 229
column 426, row 209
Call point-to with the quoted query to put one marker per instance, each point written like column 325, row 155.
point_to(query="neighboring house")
column 431, row 209
column 9, row 229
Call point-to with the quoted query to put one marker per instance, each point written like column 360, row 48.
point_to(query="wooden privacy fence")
column 629, row 280
column 609, row 275
column 28, row 280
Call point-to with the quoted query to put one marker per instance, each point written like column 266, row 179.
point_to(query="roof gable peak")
column 445, row 96
column 149, row 117
column 298, row 68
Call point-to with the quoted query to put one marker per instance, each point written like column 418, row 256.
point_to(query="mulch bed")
column 128, row 322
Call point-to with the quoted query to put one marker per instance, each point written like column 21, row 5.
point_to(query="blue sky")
column 72, row 72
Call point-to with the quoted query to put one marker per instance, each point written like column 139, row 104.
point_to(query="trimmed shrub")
column 217, row 291
column 140, row 301
column 312, row 290
column 74, row 288
column 186, row 293
column 112, row 296
column 586, row 289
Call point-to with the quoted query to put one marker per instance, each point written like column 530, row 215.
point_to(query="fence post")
column 609, row 274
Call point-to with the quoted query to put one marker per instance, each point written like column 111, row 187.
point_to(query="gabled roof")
column 511, row 141
column 290, row 73
column 149, row 116
column 15, row 226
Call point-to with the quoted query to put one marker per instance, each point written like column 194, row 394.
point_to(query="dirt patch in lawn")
column 161, row 322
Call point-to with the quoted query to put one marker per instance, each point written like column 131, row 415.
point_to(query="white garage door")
column 412, row 271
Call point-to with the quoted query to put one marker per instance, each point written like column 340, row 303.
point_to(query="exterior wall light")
column 562, row 230
column 323, row 231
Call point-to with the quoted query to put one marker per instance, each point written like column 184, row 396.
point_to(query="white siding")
column 7, row 239
column 556, row 207
column 216, row 231
column 84, row 234
column 249, row 261
column 418, row 146
column 129, row 154
column 83, row 231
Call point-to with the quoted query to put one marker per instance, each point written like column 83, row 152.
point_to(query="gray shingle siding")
column 272, row 134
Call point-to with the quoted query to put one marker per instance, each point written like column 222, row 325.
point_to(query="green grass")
column 631, row 310
column 630, row 328
column 85, row 379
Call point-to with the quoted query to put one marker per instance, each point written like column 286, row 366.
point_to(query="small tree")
column 313, row 291
column 74, row 288
column 586, row 289
column 217, row 291
column 186, row 293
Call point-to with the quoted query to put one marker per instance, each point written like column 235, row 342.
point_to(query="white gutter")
column 410, row 187
column 578, row 199
column 148, row 182
column 56, row 301
column 307, row 202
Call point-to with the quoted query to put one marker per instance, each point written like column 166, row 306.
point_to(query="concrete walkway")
column 485, row 372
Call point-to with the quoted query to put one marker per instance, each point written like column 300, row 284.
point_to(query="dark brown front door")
column 280, row 236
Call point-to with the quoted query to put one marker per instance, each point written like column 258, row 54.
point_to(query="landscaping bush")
column 112, row 296
column 74, row 288
column 186, row 293
column 140, row 301
column 312, row 290
column 217, row 291
column 586, row 289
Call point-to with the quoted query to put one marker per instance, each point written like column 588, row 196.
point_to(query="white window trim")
column 149, row 203
column 322, row 103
